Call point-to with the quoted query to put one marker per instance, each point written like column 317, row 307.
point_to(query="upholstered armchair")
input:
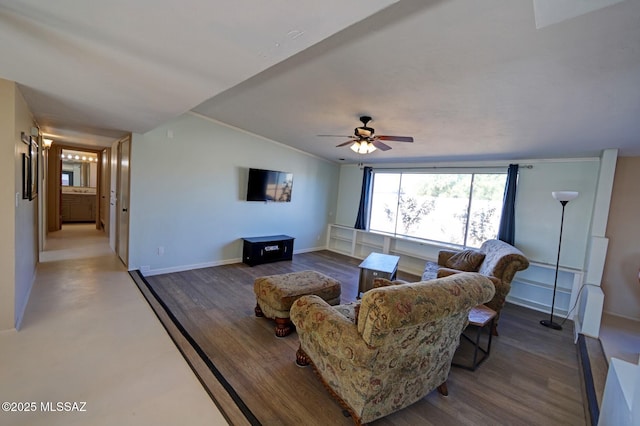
column 496, row 259
column 393, row 347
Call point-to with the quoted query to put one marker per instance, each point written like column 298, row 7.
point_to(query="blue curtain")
column 363, row 212
column 507, row 230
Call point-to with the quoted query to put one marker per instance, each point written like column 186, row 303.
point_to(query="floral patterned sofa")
column 391, row 348
column 496, row 259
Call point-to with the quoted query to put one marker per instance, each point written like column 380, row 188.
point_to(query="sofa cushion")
column 466, row 260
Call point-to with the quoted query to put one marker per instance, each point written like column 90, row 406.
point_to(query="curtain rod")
column 522, row 166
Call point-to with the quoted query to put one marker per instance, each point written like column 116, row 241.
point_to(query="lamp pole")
column 550, row 323
column 564, row 197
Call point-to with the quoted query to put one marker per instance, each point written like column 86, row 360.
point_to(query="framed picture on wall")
column 25, row 176
column 33, row 168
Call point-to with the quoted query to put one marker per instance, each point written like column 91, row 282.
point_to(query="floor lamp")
column 564, row 197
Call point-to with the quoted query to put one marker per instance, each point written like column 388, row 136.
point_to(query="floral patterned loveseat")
column 499, row 261
column 393, row 347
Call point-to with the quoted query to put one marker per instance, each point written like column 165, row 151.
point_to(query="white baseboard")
column 148, row 272
column 613, row 314
column 181, row 268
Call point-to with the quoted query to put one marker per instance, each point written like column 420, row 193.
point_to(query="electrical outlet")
column 160, row 251
column 144, row 269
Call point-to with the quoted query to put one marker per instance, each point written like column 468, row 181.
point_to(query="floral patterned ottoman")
column 276, row 293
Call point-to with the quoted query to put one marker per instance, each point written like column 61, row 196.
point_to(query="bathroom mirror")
column 79, row 171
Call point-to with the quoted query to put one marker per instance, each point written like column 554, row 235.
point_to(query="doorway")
column 74, row 186
column 79, row 186
column 122, row 199
column 90, row 186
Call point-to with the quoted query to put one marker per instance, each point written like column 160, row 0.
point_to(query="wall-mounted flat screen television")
column 269, row 185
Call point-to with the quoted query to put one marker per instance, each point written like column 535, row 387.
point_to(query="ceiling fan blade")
column 395, row 138
column 334, row 136
column 381, row 146
column 345, row 143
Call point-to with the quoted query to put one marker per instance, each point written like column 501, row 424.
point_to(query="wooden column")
column 54, row 171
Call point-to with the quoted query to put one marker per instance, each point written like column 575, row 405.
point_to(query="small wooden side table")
column 481, row 317
column 376, row 265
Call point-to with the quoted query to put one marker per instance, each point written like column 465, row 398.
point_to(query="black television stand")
column 273, row 248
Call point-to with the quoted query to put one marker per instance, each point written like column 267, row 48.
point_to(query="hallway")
column 89, row 336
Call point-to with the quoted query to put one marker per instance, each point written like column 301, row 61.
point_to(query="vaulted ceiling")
column 495, row 79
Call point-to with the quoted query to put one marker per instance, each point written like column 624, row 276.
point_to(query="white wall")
column 620, row 280
column 348, row 195
column 19, row 242
column 188, row 188
column 7, row 206
column 26, row 236
column 538, row 214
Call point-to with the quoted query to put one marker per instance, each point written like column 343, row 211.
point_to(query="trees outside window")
column 457, row 208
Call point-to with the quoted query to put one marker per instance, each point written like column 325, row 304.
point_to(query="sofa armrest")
column 502, row 290
column 444, row 255
column 322, row 326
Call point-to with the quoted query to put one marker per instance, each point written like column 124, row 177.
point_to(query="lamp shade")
column 363, row 147
column 565, row 195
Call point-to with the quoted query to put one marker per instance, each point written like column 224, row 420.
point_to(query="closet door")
column 122, row 200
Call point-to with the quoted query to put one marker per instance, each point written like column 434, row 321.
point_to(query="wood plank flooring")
column 531, row 377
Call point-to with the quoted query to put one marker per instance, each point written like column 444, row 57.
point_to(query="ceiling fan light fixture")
column 365, row 141
column 363, row 147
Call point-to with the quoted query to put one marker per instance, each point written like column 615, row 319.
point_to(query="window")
column 67, row 178
column 457, row 208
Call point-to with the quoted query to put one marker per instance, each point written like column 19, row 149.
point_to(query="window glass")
column 456, row 208
column 486, row 208
column 384, row 202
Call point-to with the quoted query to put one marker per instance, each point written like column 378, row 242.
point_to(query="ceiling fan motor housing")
column 364, row 132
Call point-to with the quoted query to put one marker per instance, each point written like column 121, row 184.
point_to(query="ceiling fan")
column 364, row 140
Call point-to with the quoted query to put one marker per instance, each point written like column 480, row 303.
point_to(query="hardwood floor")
column 531, row 377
